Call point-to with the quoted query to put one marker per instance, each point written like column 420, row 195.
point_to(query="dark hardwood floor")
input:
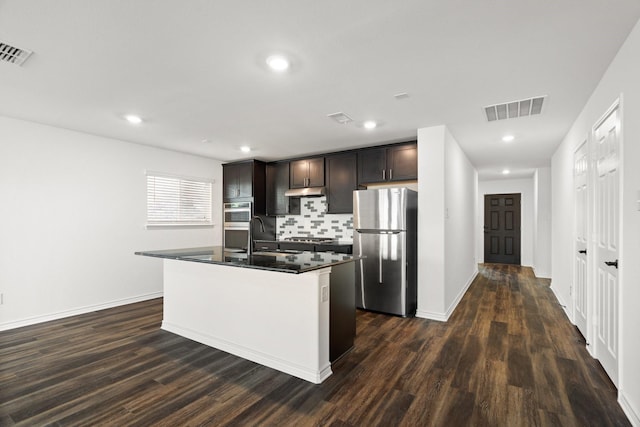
column 507, row 357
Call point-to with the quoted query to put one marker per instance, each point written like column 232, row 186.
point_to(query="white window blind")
column 174, row 200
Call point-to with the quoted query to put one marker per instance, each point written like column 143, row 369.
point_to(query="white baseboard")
column 563, row 305
column 250, row 354
column 443, row 317
column 629, row 410
column 76, row 311
column 541, row 274
column 571, row 318
column 431, row 315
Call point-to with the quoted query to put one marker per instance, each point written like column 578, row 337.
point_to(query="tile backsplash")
column 314, row 221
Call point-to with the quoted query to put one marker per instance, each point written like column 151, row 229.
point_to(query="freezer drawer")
column 381, row 275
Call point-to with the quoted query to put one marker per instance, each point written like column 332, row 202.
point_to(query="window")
column 174, row 200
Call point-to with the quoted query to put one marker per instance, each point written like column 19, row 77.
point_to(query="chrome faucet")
column 250, row 234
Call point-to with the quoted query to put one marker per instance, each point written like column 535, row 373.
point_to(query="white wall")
column 542, row 222
column 461, row 181
column 447, row 185
column 431, row 225
column 621, row 79
column 72, row 213
column 506, row 186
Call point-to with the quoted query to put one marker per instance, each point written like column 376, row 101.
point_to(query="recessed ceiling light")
column 506, row 172
column 370, row 124
column 245, row 149
column 134, row 120
column 278, row 63
column 508, row 138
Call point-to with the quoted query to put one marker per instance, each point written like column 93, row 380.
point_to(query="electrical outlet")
column 325, row 294
column 1, row 298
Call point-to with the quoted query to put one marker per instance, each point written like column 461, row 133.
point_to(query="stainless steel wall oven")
column 237, row 216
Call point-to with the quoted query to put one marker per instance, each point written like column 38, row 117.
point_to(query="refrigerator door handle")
column 380, row 267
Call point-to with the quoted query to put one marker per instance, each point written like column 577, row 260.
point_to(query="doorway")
column 606, row 135
column 581, row 233
column 502, row 228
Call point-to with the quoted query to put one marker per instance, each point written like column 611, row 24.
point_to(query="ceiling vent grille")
column 514, row 109
column 12, row 54
column 340, row 117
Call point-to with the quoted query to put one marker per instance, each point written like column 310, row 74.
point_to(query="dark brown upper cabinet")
column 402, row 161
column 245, row 181
column 342, row 179
column 277, row 184
column 388, row 164
column 307, row 173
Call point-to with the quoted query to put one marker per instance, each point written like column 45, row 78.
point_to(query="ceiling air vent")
column 341, row 118
column 514, row 109
column 13, row 54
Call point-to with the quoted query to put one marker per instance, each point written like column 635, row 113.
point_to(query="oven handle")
column 236, row 225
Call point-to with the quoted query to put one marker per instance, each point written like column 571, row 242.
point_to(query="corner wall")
column 620, row 80
column 447, row 184
column 73, row 211
column 542, row 222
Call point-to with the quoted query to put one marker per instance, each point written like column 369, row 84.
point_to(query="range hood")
column 305, row 192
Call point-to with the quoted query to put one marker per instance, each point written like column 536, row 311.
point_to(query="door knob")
column 584, row 251
column 612, row 263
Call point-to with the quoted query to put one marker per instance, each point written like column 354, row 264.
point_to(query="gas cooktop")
column 307, row 239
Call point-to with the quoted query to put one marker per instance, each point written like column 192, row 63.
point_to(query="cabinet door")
column 402, row 163
column 316, row 172
column 372, row 165
column 230, row 182
column 307, row 173
column 237, row 181
column 341, row 181
column 245, row 179
column 299, row 172
column 277, row 184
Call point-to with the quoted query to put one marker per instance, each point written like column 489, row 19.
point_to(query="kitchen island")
column 294, row 312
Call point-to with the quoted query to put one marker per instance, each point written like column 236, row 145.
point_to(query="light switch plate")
column 325, row 294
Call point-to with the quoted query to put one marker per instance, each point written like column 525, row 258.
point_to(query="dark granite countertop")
column 271, row 261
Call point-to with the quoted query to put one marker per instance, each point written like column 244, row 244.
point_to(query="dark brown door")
column 502, row 228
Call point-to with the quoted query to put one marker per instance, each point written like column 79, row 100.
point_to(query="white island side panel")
column 276, row 319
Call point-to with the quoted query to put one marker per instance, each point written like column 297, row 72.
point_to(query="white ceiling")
column 195, row 70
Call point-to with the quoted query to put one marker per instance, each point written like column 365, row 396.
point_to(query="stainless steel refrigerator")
column 385, row 223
